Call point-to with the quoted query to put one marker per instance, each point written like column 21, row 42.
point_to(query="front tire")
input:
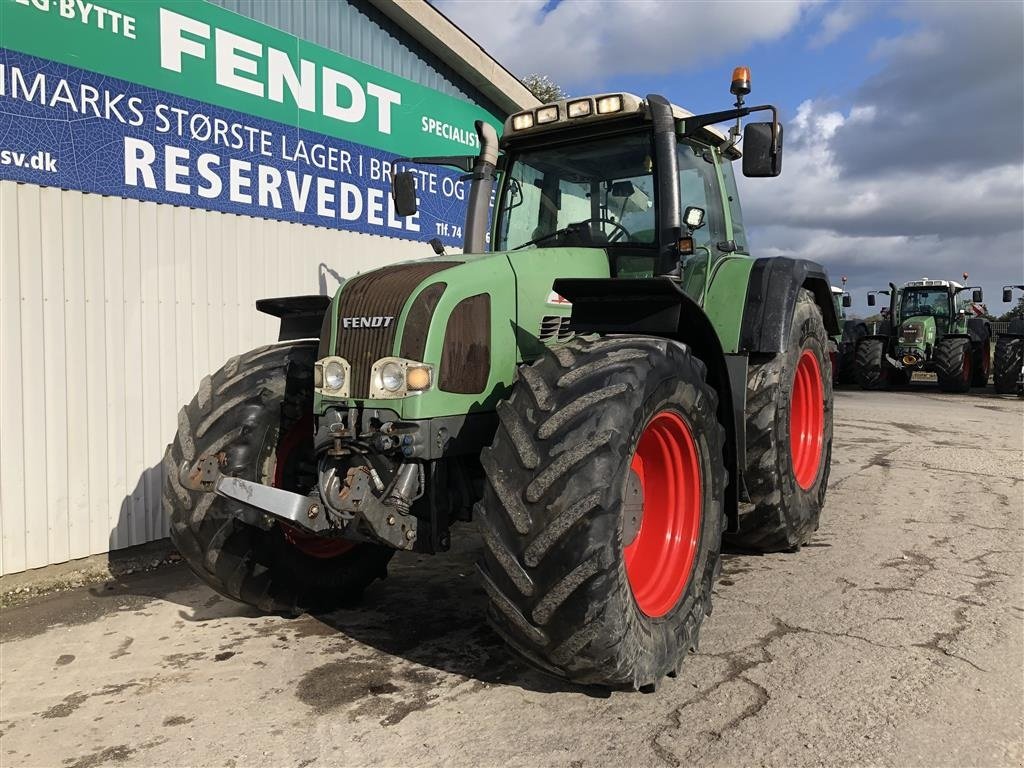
column 853, row 332
column 251, row 410
column 953, row 364
column 789, row 438
column 599, row 439
column 870, row 368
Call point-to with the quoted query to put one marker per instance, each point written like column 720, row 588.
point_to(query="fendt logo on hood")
column 376, row 321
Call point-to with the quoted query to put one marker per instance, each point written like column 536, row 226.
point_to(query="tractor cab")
column 589, row 178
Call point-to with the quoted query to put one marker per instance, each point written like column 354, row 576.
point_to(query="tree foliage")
column 1016, row 311
column 544, row 88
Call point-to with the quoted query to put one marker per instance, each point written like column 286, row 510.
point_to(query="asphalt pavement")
column 895, row 637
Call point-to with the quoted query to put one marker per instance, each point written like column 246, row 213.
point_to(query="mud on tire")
column 552, row 513
column 784, row 514
column 243, row 410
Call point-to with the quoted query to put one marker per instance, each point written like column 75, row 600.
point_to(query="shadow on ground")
column 430, row 611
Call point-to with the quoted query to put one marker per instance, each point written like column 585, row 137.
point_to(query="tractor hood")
column 468, row 319
column 917, row 332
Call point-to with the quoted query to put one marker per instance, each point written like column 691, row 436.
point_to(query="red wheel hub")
column 660, row 558
column 307, row 543
column 807, row 419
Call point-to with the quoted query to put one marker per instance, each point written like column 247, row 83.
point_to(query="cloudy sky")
column 904, row 147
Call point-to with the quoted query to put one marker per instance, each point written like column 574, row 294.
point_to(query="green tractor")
column 1008, row 365
column 930, row 330
column 606, row 391
column 844, row 344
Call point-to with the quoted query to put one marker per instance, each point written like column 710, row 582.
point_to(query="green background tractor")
column 934, row 326
column 608, row 389
column 1008, row 365
column 845, row 342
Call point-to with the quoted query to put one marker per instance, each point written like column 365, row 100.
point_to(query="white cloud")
column 580, row 42
column 923, row 172
column 837, row 22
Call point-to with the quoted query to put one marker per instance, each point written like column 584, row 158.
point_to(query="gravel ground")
column 893, row 638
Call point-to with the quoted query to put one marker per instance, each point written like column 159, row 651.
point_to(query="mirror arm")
column 693, row 124
column 462, row 162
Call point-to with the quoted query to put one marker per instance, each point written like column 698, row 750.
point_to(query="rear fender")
column 979, row 330
column 301, row 316
column 657, row 307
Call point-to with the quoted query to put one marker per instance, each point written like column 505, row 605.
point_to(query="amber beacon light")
column 740, row 81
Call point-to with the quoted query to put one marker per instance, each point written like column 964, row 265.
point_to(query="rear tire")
column 870, row 368
column 953, row 364
column 981, row 352
column 564, row 590
column 1006, row 368
column 244, row 410
column 789, row 438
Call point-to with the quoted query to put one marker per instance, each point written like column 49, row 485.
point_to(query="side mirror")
column 403, row 192
column 1007, row 295
column 847, row 300
column 759, row 161
column 976, row 296
column 871, row 299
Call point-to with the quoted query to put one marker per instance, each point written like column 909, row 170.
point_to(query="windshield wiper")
column 568, row 229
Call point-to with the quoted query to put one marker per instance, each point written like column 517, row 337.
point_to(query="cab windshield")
column 595, row 193
column 924, row 301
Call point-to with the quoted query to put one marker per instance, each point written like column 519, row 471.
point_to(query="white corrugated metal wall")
column 111, row 311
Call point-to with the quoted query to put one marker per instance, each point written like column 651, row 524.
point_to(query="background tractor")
column 931, row 328
column 845, row 343
column 605, row 391
column 1008, row 366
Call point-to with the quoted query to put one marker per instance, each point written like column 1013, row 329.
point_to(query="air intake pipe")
column 480, row 190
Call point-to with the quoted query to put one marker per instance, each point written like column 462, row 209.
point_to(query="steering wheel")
column 618, row 233
column 571, row 228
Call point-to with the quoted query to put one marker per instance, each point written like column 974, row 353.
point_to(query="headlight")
column 394, row 377
column 579, row 108
column 334, row 375
column 522, row 122
column 547, row 114
column 331, row 376
column 608, row 104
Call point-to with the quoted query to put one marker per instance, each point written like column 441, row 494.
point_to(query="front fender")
column 771, row 296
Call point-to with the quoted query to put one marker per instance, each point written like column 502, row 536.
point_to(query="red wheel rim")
column 807, row 419
column 307, row 543
column 660, row 558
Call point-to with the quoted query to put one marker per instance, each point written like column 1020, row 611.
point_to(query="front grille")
column 554, row 328
column 381, row 293
column 910, row 333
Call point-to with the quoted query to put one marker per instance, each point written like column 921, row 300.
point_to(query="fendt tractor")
column 931, row 329
column 608, row 388
column 1008, row 366
column 845, row 342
